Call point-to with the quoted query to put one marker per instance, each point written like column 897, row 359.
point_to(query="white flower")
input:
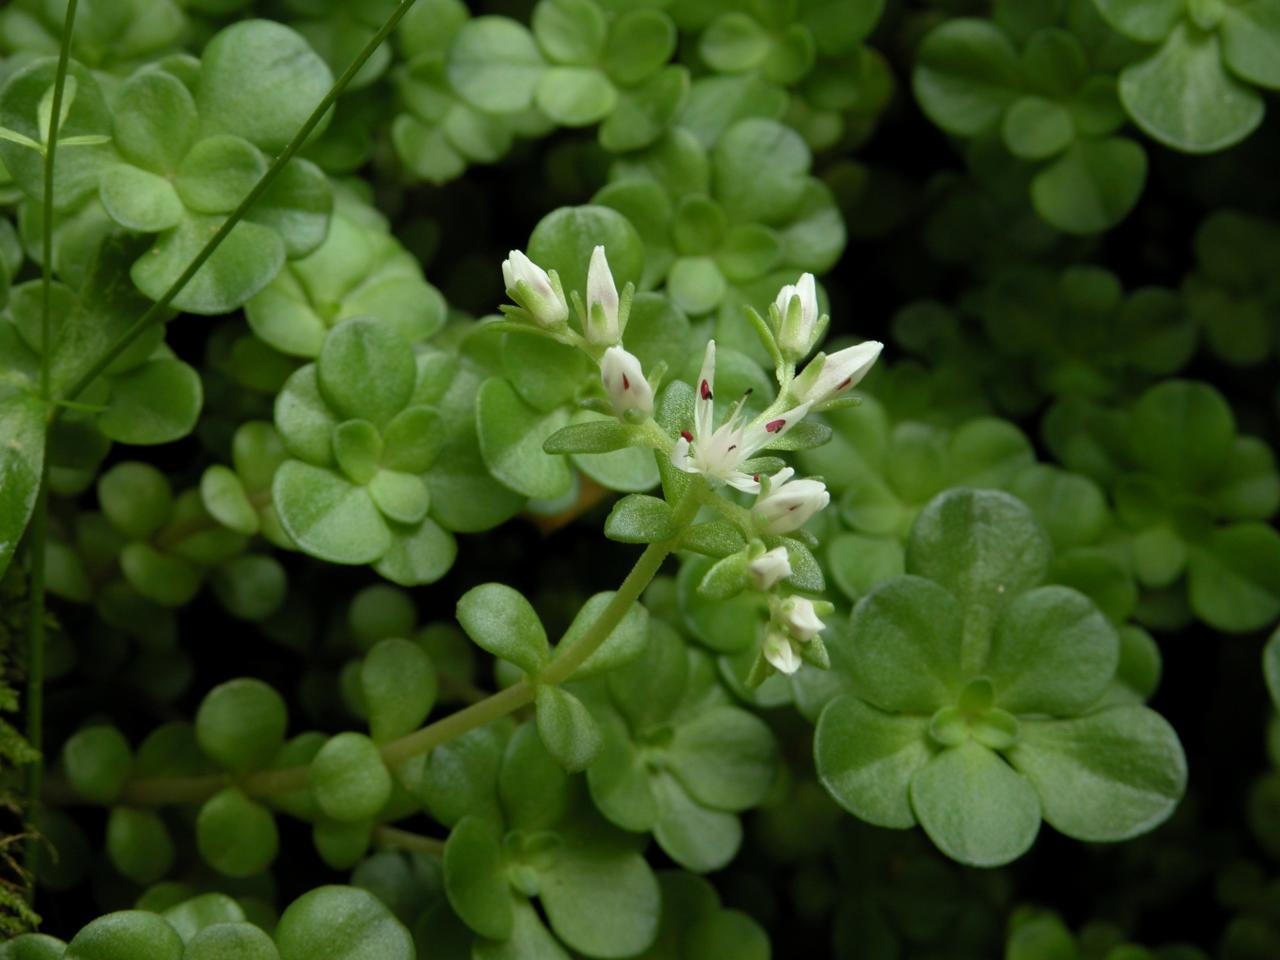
column 801, row 619
column 797, row 306
column 624, row 381
column 718, row 453
column 781, row 652
column 531, row 287
column 785, row 505
column 602, row 327
column 769, row 568
column 825, row 378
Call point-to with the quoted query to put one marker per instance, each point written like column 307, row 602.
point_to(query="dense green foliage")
column 454, row 504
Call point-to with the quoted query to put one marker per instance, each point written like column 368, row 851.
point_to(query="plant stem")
column 404, row 840
column 40, row 518
column 270, row 783
column 156, row 311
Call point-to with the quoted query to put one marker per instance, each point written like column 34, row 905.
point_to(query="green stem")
column 156, row 311
column 404, row 840
column 40, row 519
column 270, row 783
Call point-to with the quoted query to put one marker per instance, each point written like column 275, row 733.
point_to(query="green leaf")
column 304, row 419
column 1091, row 187
column 866, row 759
column 725, row 757
column 694, row 836
column 139, row 845
column 475, row 878
column 401, row 497
column 575, row 96
column 494, row 65
column 398, row 682
column 529, row 940
column 1107, row 776
column 139, row 200
column 224, row 496
column 641, row 40
column 160, row 577
column 251, row 587
column 343, row 923
column 859, row 563
column 734, row 43
column 592, row 436
column 1250, row 35
column 155, row 120
column 21, row 465
column 366, row 370
column 1182, row 432
column 241, row 724
column 563, row 241
column 1183, row 97
column 1053, row 653
column 546, row 373
column 567, row 728
column 328, row 517
column 601, row 902
column 1142, row 20
column 976, row 808
column 1035, row 128
column 235, row 835
column 225, row 941
column 135, row 934
column 297, row 205
column 1271, row 666
column 418, row 554
column 218, row 173
column 348, row 779
column 1248, row 487
column 619, row 779
column 624, row 644
column 501, row 621
column 535, row 792
column 97, row 761
column 639, row 519
column 760, row 171
column 1234, row 580
column 459, row 777
column 192, row 916
column 907, row 647
column 512, row 435
column 966, row 74
column 569, row 31
column 260, row 80
column 715, row 538
column 158, row 402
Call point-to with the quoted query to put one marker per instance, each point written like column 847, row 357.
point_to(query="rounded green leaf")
column 494, row 65
column 975, row 807
column 251, row 587
column 567, row 728
column 475, row 878
column 155, row 120
column 1250, row 35
column 966, row 74
column 563, row 241
column 158, row 402
column 1147, row 21
column 97, row 761
column 328, row 517
column 601, row 902
column 22, row 422
column 136, row 498
column 421, row 553
column 725, row 757
column 501, row 621
column 692, row 835
column 348, row 778
column 866, row 758
column 139, row 200
column 192, row 916
column 218, row 172
column 1104, row 777
column 401, row 497
column 341, row 923
column 640, row 41
column 1182, row 431
column 512, row 435
column 260, row 80
column 1234, row 579
column 624, row 643
column 570, row 31
column 1091, row 187
column 1184, row 97
column 240, row 724
column 231, row 941
column 760, row 171
column 139, row 845
column 1035, row 128
column 575, row 96
column 33, row 946
column 366, row 370
column 1053, row 652
column 167, row 580
column 236, row 836
column 398, row 681
column 126, row 935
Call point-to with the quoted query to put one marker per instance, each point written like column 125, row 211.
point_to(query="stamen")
column 773, row 426
column 732, row 447
column 626, row 384
column 705, row 390
column 847, row 381
column 687, row 435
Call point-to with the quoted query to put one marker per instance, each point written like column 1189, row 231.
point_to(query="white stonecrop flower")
column 801, row 619
column 780, row 651
column 798, row 326
column 624, row 381
column 769, row 569
column 785, row 504
column 718, row 453
column 531, row 287
column 602, row 326
column 827, row 377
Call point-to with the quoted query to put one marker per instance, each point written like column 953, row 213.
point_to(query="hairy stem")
column 269, row 783
column 155, row 313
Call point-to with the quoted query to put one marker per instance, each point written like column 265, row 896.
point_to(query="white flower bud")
column 801, row 618
column 781, row 652
column 769, row 569
column 531, row 287
column 624, row 381
column 784, row 505
column 826, row 378
column 798, row 317
column 602, row 326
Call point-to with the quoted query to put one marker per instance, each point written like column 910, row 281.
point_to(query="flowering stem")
column 269, row 783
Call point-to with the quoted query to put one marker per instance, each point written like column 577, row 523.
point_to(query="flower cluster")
column 724, row 453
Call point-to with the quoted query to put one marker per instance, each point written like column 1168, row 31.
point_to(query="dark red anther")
column 626, row 384
column 773, row 426
column 847, row 381
column 755, row 477
column 705, row 389
column 687, row 435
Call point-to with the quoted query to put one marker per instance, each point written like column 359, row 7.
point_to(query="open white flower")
column 718, row 453
column 785, row 504
column 602, row 326
column 798, row 322
column 531, row 287
column 827, row 377
column 624, row 381
column 801, row 618
column 780, row 651
column 770, row 568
